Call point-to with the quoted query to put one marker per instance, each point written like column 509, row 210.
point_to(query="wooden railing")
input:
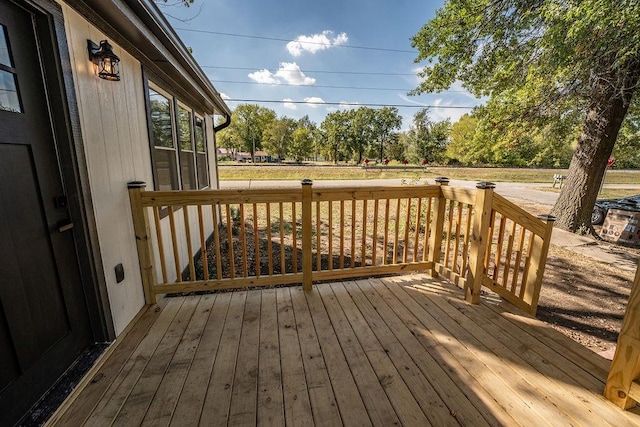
column 203, row 240
column 623, row 382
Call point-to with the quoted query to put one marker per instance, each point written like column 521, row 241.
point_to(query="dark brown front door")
column 44, row 323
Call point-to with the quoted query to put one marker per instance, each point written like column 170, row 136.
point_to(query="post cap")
column 442, row 180
column 307, row 181
column 485, row 185
column 547, row 217
column 136, row 184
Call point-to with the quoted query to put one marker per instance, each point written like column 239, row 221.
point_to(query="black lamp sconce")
column 105, row 59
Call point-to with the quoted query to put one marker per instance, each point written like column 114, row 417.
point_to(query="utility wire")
column 352, row 104
column 327, row 86
column 311, row 71
column 248, row 36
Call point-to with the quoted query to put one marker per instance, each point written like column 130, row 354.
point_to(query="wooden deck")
column 403, row 350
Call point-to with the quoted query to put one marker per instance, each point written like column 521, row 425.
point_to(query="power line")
column 350, row 104
column 248, row 36
column 329, row 86
column 311, row 71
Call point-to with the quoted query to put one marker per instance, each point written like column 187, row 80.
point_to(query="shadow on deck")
column 403, row 350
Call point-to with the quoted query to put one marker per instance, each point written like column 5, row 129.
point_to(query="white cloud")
column 287, row 103
column 289, row 72
column 315, row 43
column 348, row 105
column 314, row 101
column 264, row 77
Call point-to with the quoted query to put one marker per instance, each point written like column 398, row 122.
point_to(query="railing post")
column 479, row 241
column 143, row 243
column 435, row 241
column 538, row 260
column 307, row 255
column 622, row 386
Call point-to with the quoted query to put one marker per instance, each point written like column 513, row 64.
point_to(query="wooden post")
column 435, row 241
column 622, row 386
column 143, row 242
column 479, row 241
column 538, row 260
column 307, row 254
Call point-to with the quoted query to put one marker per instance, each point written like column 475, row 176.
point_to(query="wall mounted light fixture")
column 105, row 59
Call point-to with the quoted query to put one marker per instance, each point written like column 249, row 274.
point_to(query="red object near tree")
column 405, row 161
column 611, row 161
column 386, row 162
column 366, row 161
column 425, row 162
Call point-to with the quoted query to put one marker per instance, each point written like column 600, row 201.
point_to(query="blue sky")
column 291, row 69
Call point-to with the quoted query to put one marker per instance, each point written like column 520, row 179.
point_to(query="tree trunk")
column 595, row 144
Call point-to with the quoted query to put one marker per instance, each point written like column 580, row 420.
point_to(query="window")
column 201, row 154
column 178, row 141
column 164, row 148
column 187, row 153
column 9, row 100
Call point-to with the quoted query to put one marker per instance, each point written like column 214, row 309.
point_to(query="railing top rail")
column 519, row 215
column 462, row 195
column 207, row 197
column 371, row 193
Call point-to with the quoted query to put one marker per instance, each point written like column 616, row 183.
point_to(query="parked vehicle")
column 602, row 206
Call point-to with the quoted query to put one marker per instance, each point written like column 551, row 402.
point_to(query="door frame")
column 65, row 121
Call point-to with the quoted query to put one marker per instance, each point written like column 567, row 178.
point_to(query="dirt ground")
column 583, row 298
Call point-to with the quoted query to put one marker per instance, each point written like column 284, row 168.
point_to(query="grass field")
column 288, row 172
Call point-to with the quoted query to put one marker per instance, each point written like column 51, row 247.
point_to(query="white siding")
column 115, row 136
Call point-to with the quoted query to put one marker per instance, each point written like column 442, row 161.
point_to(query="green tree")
column 301, row 144
column 362, row 124
column 554, row 57
column 277, row 138
column 429, row 138
column 248, row 123
column 335, row 135
column 386, row 122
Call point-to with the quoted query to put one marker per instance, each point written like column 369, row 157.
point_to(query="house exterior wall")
column 114, row 131
column 115, row 135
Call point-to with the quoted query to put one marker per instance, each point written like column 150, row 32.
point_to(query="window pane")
column 184, row 127
column 203, row 175
column 166, row 170
column 199, row 134
column 160, row 109
column 9, row 100
column 5, row 58
column 188, row 170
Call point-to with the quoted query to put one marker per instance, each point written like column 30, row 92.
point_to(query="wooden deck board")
column 403, row 350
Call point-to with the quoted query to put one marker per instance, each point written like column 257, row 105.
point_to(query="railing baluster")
column 498, row 255
column 447, row 247
column 256, row 239
column 283, row 264
column 527, row 265
column 416, row 238
column 374, row 255
column 232, row 263
column 363, row 255
column 330, row 235
column 187, row 228
column 318, row 238
column 203, row 245
column 467, row 234
column 394, row 259
column 294, row 238
column 342, row 221
column 456, row 243
column 160, row 238
column 352, row 263
column 427, row 230
column 407, row 226
column 216, row 239
column 385, row 242
column 508, row 254
column 269, row 242
column 307, row 254
column 174, row 243
column 516, row 268
column 243, row 240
